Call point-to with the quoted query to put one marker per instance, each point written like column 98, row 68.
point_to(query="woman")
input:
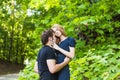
column 66, row 47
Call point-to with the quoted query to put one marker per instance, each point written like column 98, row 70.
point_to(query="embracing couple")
column 55, row 55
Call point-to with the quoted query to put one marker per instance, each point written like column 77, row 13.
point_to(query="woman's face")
column 57, row 32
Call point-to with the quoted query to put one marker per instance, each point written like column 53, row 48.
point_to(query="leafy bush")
column 100, row 63
column 28, row 73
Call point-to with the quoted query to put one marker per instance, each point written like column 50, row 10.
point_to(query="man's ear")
column 50, row 38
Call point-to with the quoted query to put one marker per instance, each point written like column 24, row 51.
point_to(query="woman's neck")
column 62, row 38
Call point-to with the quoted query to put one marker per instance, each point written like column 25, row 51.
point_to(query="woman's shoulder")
column 71, row 41
column 70, row 38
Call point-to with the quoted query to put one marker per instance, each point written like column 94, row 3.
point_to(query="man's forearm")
column 58, row 67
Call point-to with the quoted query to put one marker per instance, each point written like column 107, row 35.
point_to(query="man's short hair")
column 45, row 35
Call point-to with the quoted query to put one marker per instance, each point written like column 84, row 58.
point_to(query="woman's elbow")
column 72, row 56
column 52, row 71
column 36, row 71
column 36, row 68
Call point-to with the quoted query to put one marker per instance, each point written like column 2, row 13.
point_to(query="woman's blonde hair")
column 60, row 28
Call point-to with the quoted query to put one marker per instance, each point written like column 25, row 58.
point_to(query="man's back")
column 45, row 53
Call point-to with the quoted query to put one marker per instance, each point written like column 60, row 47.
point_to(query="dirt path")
column 12, row 76
column 9, row 71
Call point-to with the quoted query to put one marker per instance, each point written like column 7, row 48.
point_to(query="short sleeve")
column 50, row 54
column 72, row 42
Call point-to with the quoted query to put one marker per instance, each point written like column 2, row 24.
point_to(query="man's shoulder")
column 46, row 49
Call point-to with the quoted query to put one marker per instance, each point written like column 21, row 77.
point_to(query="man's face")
column 52, row 39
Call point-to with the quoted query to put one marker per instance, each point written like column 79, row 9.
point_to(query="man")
column 46, row 58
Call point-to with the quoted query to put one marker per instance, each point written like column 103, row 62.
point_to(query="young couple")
column 54, row 56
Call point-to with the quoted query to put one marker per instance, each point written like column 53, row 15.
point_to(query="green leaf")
column 119, row 11
column 99, row 31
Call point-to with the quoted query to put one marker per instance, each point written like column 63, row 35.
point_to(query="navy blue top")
column 64, row 74
column 65, row 44
column 44, row 54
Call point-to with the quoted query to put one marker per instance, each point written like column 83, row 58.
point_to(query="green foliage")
column 99, row 63
column 15, row 32
column 28, row 73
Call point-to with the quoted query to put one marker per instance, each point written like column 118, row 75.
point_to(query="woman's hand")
column 55, row 46
column 67, row 59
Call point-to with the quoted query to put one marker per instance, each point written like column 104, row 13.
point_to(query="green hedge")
column 99, row 63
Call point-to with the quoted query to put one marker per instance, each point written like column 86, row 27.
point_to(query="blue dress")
column 64, row 74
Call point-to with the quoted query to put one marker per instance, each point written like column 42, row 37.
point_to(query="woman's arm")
column 69, row 54
column 53, row 67
column 36, row 67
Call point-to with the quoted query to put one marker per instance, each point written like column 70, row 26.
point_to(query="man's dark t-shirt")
column 44, row 54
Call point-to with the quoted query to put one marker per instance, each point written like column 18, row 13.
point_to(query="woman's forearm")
column 69, row 54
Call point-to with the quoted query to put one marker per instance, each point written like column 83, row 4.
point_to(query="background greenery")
column 95, row 24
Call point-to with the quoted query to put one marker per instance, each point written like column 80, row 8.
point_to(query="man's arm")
column 53, row 67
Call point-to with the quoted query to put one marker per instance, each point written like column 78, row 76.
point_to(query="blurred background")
column 95, row 24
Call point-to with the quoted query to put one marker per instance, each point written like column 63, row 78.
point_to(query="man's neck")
column 48, row 44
